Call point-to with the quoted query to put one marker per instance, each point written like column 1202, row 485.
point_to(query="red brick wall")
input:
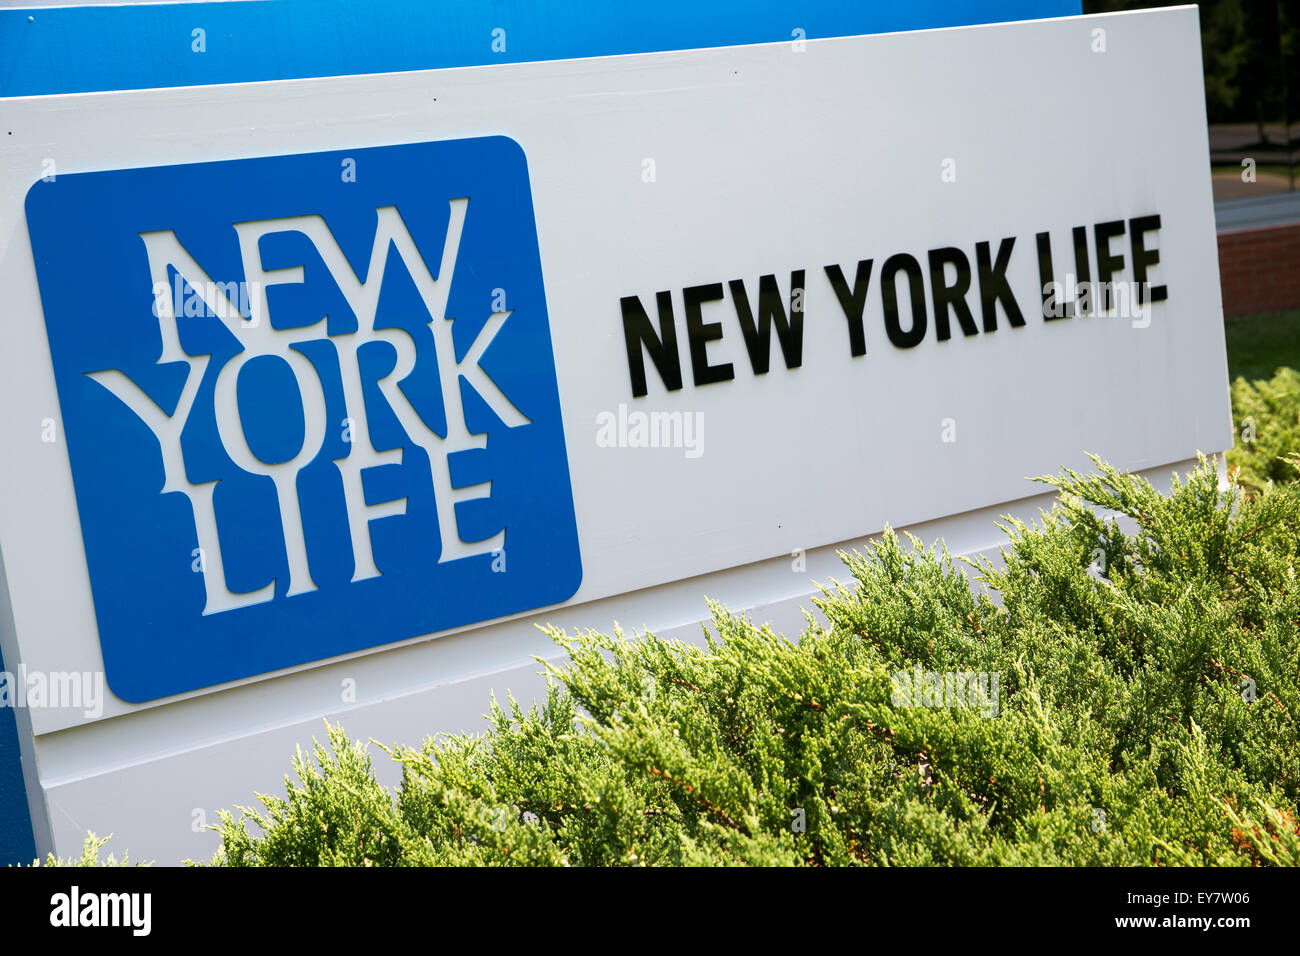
column 1259, row 270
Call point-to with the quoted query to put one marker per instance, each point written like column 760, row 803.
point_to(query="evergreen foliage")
column 90, row 855
column 1267, row 416
column 1147, row 655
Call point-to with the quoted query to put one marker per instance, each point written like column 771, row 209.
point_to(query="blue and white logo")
column 310, row 404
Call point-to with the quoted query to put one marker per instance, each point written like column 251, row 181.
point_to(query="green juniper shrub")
column 1138, row 686
column 90, row 855
column 1267, row 414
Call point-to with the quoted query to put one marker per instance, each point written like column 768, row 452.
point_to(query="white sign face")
column 334, row 364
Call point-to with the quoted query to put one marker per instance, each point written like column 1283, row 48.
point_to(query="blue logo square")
column 310, row 404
